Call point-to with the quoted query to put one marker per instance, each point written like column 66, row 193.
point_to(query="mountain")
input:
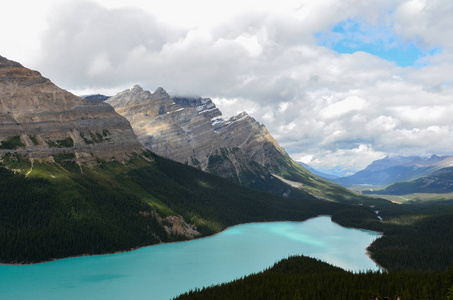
column 74, row 180
column 38, row 120
column 393, row 169
column 240, row 149
column 77, row 190
column 181, row 133
column 318, row 173
column 438, row 182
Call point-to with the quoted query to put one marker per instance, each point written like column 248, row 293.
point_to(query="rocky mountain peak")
column 170, row 128
column 242, row 115
column 40, row 120
column 14, row 71
column 190, row 130
column 221, row 123
column 160, row 90
column 204, row 106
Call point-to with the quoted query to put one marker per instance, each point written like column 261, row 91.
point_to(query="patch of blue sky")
column 352, row 35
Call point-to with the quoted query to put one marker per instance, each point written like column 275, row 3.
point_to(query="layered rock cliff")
column 191, row 131
column 244, row 132
column 180, row 133
column 40, row 120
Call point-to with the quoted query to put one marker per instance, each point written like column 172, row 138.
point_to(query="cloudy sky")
column 337, row 83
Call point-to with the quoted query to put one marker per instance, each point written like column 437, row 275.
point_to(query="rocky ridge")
column 180, row 133
column 244, row 132
column 39, row 120
column 191, row 131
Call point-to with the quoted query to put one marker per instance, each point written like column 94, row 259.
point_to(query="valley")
column 77, row 179
column 164, row 271
column 226, row 150
column 404, row 179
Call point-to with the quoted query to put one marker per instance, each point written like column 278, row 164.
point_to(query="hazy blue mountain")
column 394, row 169
column 439, row 182
column 318, row 173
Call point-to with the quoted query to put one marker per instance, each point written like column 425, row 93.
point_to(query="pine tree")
column 450, row 283
column 297, row 295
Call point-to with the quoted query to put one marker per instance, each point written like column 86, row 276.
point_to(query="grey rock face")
column 49, row 120
column 181, row 133
column 204, row 106
column 190, row 130
column 244, row 132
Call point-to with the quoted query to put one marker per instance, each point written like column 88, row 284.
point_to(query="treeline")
column 427, row 244
column 416, row 236
column 307, row 278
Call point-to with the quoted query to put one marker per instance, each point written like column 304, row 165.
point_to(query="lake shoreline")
column 200, row 238
column 170, row 270
column 368, row 252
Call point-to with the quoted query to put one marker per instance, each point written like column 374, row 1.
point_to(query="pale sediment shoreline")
column 368, row 253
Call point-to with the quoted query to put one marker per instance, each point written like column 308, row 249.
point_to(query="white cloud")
column 261, row 57
column 422, row 114
column 250, row 44
column 340, row 108
column 382, row 123
column 99, row 65
column 425, row 22
column 350, row 159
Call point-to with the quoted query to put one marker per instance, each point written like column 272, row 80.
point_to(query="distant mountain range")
column 318, row 173
column 438, row 182
column 395, row 169
column 39, row 120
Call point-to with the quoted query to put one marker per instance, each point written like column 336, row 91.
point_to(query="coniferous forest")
column 307, row 278
column 56, row 211
column 60, row 209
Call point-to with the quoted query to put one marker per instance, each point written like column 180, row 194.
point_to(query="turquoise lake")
column 167, row 270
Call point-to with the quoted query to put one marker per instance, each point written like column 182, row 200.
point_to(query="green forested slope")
column 41, row 219
column 54, row 210
column 416, row 236
column 319, row 187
